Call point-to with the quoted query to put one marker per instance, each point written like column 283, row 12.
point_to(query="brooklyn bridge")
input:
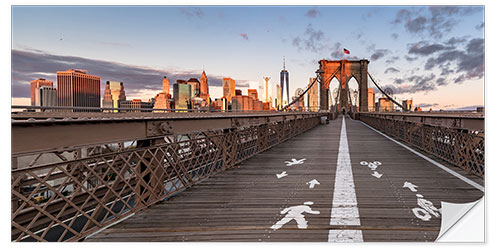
column 340, row 174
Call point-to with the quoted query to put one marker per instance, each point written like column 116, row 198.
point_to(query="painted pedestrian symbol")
column 295, row 213
column 312, row 183
column 295, row 162
column 426, row 209
column 373, row 166
column 283, row 174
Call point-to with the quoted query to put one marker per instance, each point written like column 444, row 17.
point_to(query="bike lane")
column 399, row 194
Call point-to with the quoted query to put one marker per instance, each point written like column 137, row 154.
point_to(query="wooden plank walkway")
column 242, row 204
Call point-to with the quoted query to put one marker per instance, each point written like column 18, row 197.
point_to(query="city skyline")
column 417, row 51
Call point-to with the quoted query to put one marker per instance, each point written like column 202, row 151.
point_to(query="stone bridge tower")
column 346, row 70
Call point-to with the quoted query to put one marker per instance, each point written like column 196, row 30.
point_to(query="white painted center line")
column 344, row 205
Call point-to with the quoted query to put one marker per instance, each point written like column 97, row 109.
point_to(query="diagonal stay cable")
column 383, row 92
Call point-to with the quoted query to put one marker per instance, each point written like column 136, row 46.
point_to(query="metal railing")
column 461, row 147
column 49, row 109
column 73, row 198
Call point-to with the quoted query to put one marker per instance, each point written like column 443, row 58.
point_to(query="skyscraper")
column 36, row 84
column 267, row 82
column 312, row 96
column 162, row 99
column 166, row 85
column 284, row 83
column 195, row 87
column 228, row 88
column 182, row 95
column 76, row 88
column 371, row 100
column 204, row 87
column 113, row 95
column 408, row 104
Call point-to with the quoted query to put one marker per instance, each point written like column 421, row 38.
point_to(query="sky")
column 431, row 54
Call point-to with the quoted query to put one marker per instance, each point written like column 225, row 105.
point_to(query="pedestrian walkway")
column 309, row 188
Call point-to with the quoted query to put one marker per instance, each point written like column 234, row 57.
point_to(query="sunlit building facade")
column 136, row 104
column 371, row 100
column 385, row 105
column 35, row 84
column 312, row 96
column 162, row 99
column 228, row 88
column 279, row 98
column 195, row 87
column 253, row 94
column 77, row 88
column 114, row 93
column 408, row 104
column 204, row 90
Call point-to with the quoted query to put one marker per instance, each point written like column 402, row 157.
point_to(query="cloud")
column 338, row 51
column 410, row 59
column 441, row 81
column 29, row 65
column 469, row 61
column 192, row 12
column 314, row 12
column 398, row 81
column 473, row 107
column 456, row 41
column 313, row 40
column 420, row 83
column 423, row 48
column 244, row 35
column 480, row 26
column 434, row 20
column 379, row 54
column 391, row 70
column 427, row 105
column 392, row 59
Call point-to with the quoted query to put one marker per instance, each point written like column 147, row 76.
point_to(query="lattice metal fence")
column 69, row 200
column 461, row 147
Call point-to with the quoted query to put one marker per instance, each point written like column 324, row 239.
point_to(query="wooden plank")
column 242, row 204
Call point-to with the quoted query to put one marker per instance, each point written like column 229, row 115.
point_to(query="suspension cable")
column 309, row 87
column 383, row 92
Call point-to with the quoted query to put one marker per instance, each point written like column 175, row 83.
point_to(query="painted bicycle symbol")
column 425, row 210
column 371, row 165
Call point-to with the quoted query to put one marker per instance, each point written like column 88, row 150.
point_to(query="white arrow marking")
column 312, row 183
column 377, row 174
column 295, row 162
column 411, row 186
column 283, row 174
